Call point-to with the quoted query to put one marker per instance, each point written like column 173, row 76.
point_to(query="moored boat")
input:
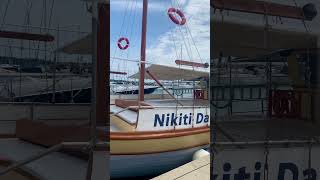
column 154, row 133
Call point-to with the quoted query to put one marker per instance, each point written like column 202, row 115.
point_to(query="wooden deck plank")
column 51, row 167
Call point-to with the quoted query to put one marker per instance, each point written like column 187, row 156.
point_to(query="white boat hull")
column 122, row 166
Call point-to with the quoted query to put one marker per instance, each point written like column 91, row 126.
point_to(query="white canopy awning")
column 162, row 72
column 81, row 46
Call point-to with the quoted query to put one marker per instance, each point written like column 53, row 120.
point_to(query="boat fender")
column 120, row 45
column 199, row 154
column 172, row 11
column 309, row 11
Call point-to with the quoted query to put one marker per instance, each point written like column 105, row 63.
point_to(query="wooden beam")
column 103, row 66
column 262, row 7
column 193, row 64
column 26, row 36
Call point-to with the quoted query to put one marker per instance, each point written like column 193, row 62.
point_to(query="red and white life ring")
column 172, row 11
column 120, row 41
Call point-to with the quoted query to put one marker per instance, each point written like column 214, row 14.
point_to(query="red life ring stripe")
column 120, row 41
column 171, row 12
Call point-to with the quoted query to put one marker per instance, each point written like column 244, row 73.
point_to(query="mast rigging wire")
column 123, row 20
column 183, row 38
column 191, row 54
column 5, row 14
column 188, row 30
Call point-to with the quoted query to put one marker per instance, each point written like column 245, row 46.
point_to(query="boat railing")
column 233, row 98
column 158, row 107
column 182, row 90
column 279, row 102
column 238, row 92
column 134, row 97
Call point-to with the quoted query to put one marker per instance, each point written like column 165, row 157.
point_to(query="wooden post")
column 102, row 65
column 143, row 49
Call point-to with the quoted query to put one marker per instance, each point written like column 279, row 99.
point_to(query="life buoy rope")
column 172, row 11
column 125, row 46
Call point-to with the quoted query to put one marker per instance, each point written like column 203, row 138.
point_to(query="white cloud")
column 163, row 51
column 121, row 5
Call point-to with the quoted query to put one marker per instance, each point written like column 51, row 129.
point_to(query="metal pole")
column 231, row 91
column 45, row 48
column 158, row 82
column 268, row 89
column 20, row 76
column 71, row 88
column 54, row 70
column 143, row 49
column 11, row 91
column 93, row 88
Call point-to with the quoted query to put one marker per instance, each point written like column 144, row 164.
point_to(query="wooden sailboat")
column 156, row 133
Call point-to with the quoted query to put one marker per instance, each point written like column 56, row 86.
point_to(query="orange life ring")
column 172, row 11
column 120, row 41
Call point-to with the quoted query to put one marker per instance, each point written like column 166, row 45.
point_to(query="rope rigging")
column 28, row 35
column 192, row 38
column 125, row 33
column 5, row 13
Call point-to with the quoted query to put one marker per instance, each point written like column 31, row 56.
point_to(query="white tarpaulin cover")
column 81, row 46
column 162, row 72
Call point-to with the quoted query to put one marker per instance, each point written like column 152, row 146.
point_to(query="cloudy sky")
column 165, row 40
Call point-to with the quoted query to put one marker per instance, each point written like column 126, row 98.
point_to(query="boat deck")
column 51, row 167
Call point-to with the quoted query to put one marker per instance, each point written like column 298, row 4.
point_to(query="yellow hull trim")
column 157, row 145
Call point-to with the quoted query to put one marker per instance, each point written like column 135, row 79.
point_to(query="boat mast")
column 143, row 49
